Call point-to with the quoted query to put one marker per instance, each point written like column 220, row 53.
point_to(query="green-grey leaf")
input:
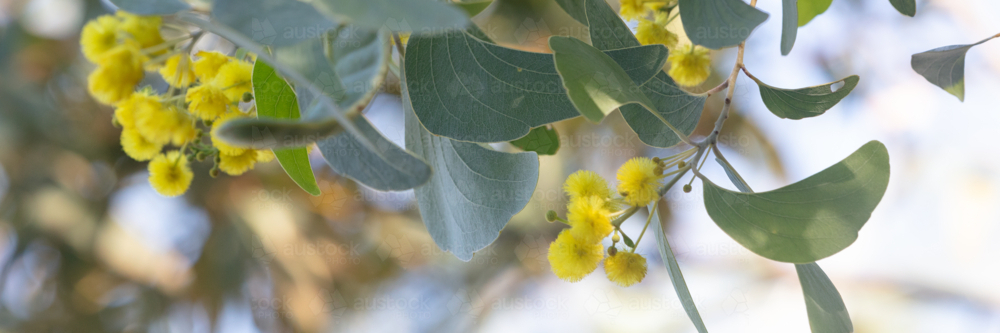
column 827, row 312
column 474, row 190
column 676, row 278
column 417, row 16
column 809, row 9
column 608, row 33
column 390, row 169
column 717, row 24
column 541, row 140
column 811, row 219
column 804, row 102
column 467, row 89
column 594, row 82
column 151, row 7
column 472, row 8
column 789, row 25
column 905, row 7
column 628, row 241
column 274, row 98
column 945, row 67
column 272, row 22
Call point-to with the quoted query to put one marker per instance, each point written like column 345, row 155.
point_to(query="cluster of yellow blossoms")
column 124, row 46
column 690, row 64
column 577, row 251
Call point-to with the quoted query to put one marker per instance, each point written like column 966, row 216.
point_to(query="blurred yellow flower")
column 208, row 64
column 99, row 36
column 638, row 181
column 585, row 183
column 178, row 70
column 625, row 268
column 234, row 79
column 236, row 165
column 589, row 219
column 164, row 123
column 573, row 259
column 126, row 110
column 265, row 155
column 650, row 32
column 119, row 71
column 137, row 147
column 225, row 148
column 689, row 65
column 169, row 174
column 207, row 101
column 142, row 29
column 632, row 9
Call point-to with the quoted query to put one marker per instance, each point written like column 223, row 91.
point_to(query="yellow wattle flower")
column 225, row 148
column 119, row 71
column 142, row 29
column 178, row 70
column 208, row 64
column 689, row 65
column 589, row 219
column 164, row 123
column 169, row 174
column 625, row 268
column 573, row 259
column 207, row 101
column 585, row 183
column 137, row 147
column 265, row 155
column 649, row 32
column 632, row 9
column 126, row 110
column 234, row 79
column 638, row 182
column 99, row 36
column 236, row 165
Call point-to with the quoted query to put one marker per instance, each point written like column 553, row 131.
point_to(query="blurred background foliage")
column 87, row 246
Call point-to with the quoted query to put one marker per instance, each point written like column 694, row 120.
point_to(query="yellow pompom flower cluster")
column 690, row 65
column 207, row 87
column 577, row 251
column 655, row 32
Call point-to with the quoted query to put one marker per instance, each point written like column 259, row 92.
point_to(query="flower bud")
column 616, row 238
column 687, row 188
column 214, row 172
column 551, row 216
column 681, row 164
column 612, row 251
column 247, row 97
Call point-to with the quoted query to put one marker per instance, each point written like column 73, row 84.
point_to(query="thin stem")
column 718, row 88
column 711, row 139
column 648, row 218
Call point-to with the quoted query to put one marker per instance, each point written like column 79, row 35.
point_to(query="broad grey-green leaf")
column 676, row 278
column 594, row 82
column 607, row 33
column 789, row 25
column 809, row 9
column 272, row 22
column 945, row 67
column 811, row 219
column 717, row 24
column 472, row 8
column 268, row 133
column 804, row 102
column 274, row 98
column 151, row 7
column 390, row 169
column 827, row 312
column 905, row 7
column 542, row 140
column 474, row 190
column 417, row 16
